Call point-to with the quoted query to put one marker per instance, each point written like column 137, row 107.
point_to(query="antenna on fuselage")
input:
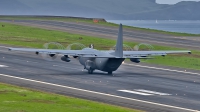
column 91, row 46
column 119, row 45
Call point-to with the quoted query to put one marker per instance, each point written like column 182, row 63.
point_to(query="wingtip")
column 9, row 49
column 190, row 52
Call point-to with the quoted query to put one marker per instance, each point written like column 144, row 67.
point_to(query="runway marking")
column 152, row 92
column 3, row 66
column 135, row 92
column 158, row 104
column 163, row 69
column 144, row 92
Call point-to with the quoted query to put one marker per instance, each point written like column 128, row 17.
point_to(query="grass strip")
column 18, row 99
column 25, row 36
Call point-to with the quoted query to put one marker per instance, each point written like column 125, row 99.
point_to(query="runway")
column 111, row 32
column 135, row 86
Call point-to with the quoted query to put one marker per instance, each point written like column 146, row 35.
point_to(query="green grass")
column 100, row 23
column 35, row 37
column 17, row 99
column 177, row 61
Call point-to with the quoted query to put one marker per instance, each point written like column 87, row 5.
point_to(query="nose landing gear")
column 89, row 65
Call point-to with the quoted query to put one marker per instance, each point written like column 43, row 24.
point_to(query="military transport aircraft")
column 107, row 61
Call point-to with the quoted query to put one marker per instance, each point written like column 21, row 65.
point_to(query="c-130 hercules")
column 107, row 61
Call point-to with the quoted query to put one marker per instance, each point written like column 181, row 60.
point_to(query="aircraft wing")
column 98, row 54
column 84, row 53
column 53, row 51
column 134, row 54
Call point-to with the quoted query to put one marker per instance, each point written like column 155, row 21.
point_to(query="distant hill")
column 109, row 9
column 179, row 11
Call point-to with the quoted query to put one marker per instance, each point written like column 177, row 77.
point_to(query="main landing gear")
column 110, row 73
column 90, row 71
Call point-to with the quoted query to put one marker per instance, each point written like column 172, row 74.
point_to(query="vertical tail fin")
column 119, row 45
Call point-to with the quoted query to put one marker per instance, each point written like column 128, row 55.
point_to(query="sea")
column 182, row 26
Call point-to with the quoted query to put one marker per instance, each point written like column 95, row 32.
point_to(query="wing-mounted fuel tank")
column 136, row 60
column 65, row 58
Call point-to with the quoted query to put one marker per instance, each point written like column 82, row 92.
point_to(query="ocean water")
column 183, row 26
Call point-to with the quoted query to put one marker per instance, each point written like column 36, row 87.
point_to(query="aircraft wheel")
column 90, row 71
column 110, row 72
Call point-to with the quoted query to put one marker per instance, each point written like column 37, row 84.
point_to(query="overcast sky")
column 172, row 1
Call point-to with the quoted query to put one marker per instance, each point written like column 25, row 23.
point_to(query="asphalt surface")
column 111, row 32
column 134, row 86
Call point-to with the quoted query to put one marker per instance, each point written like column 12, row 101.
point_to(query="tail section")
column 119, row 45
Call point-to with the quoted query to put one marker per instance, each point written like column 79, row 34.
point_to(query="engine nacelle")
column 75, row 56
column 65, row 58
column 52, row 55
column 136, row 60
column 37, row 53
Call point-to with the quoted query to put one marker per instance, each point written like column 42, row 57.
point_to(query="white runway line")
column 163, row 69
column 135, row 92
column 3, row 66
column 144, row 92
column 152, row 92
column 115, row 96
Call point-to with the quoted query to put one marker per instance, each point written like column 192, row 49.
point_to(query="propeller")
column 48, row 57
column 51, row 45
column 76, row 46
column 142, row 47
column 125, row 48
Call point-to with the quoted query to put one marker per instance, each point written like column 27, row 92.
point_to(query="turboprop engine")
column 47, row 56
column 65, row 58
column 136, row 60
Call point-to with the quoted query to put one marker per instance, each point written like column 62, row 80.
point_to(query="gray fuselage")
column 103, row 64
